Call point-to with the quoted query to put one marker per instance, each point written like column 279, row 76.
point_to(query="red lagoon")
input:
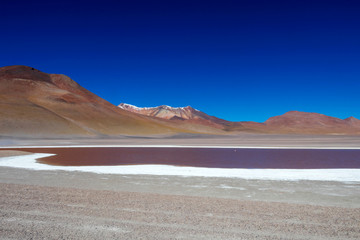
column 202, row 157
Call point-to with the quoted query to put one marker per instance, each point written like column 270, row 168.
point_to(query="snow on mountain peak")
column 163, row 111
column 127, row 106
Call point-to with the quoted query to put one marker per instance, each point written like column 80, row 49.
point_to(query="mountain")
column 188, row 114
column 305, row 122
column 293, row 122
column 37, row 104
column 164, row 111
column 353, row 122
column 34, row 103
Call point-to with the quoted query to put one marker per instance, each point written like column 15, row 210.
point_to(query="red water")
column 203, row 157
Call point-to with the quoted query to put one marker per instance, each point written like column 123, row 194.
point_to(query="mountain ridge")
column 289, row 122
column 34, row 103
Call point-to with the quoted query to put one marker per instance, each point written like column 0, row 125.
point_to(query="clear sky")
column 237, row 60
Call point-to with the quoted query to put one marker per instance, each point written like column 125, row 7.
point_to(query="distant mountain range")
column 290, row 122
column 33, row 103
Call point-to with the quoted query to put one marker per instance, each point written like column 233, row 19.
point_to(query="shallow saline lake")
column 202, row 157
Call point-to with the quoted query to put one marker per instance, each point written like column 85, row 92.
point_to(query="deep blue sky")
column 238, row 60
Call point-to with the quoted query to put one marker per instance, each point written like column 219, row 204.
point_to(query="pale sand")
column 75, row 205
column 11, row 153
column 34, row 212
column 322, row 193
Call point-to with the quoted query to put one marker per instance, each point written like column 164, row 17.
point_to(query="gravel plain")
column 38, row 212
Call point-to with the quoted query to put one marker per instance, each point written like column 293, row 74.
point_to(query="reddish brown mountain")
column 353, row 122
column 36, row 103
column 304, row 122
column 293, row 122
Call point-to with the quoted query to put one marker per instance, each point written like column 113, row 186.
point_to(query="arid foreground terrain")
column 36, row 212
column 79, row 205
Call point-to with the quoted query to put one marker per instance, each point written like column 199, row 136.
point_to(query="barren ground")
column 34, row 212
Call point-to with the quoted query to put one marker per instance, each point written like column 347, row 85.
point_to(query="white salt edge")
column 340, row 175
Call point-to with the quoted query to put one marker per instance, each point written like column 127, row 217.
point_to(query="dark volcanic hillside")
column 35, row 103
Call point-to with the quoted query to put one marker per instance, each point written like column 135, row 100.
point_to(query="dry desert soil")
column 37, row 212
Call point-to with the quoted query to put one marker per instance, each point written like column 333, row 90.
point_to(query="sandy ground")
column 75, row 205
column 324, row 193
column 34, row 212
column 10, row 153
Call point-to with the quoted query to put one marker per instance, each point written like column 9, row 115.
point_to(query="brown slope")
column 295, row 122
column 246, row 126
column 311, row 123
column 352, row 122
column 36, row 103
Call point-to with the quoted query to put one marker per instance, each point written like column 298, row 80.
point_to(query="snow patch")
column 127, row 106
